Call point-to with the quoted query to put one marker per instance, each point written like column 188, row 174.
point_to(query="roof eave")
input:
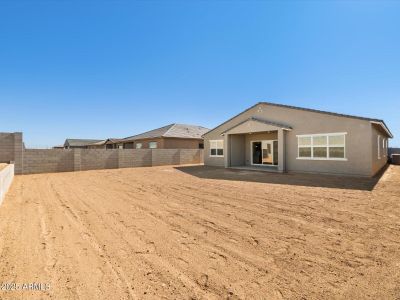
column 281, row 126
column 381, row 122
column 383, row 125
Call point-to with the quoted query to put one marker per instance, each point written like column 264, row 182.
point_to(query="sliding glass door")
column 264, row 152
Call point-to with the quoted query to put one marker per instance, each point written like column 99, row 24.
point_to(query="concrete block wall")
column 96, row 159
column 68, row 160
column 30, row 161
column 48, row 161
column 162, row 157
column 129, row 158
column 7, row 147
column 6, row 178
column 11, row 149
column 18, row 152
column 188, row 156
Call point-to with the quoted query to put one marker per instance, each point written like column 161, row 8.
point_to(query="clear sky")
column 98, row 69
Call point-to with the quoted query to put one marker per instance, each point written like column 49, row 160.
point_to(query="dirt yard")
column 201, row 233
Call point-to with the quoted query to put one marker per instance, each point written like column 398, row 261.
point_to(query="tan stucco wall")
column 378, row 163
column 170, row 143
column 238, row 150
column 175, row 143
column 257, row 137
column 145, row 143
column 358, row 139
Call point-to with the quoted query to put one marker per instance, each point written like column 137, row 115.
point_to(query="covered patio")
column 256, row 144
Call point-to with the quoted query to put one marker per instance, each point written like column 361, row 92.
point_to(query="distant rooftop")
column 182, row 131
column 80, row 142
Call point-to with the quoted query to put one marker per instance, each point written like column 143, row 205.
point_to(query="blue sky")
column 98, row 69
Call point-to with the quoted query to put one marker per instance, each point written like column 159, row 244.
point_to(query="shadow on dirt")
column 311, row 180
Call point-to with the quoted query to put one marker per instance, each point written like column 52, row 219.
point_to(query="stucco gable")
column 254, row 124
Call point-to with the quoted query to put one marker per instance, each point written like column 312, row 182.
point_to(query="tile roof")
column 80, row 142
column 172, row 131
column 321, row 111
column 380, row 121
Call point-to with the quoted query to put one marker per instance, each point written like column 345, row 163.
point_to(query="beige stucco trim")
column 383, row 127
column 253, row 126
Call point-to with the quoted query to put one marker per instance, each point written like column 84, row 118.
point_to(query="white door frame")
column 272, row 152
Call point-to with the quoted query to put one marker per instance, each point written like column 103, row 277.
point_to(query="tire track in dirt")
column 103, row 194
column 236, row 256
column 154, row 226
column 88, row 236
column 186, row 281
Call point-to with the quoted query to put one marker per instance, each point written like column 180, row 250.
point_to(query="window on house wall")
column 330, row 146
column 201, row 145
column 217, row 148
column 379, row 147
column 387, row 147
column 383, row 147
column 152, row 145
column 138, row 145
column 128, row 145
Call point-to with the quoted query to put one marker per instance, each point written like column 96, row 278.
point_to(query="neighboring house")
column 173, row 136
column 111, row 143
column 78, row 143
column 394, row 151
column 58, row 147
column 286, row 138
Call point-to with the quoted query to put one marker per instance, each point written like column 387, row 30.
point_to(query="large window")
column 322, row 146
column 152, row 145
column 217, row 148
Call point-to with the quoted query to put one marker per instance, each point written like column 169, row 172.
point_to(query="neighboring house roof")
column 79, row 142
column 260, row 121
column 107, row 141
column 372, row 120
column 112, row 140
column 102, row 142
column 182, row 131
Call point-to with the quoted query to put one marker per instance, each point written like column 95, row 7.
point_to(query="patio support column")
column 227, row 150
column 281, row 150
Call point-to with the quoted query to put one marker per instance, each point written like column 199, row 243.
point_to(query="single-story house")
column 284, row 138
column 111, row 143
column 78, row 143
column 394, row 151
column 173, row 136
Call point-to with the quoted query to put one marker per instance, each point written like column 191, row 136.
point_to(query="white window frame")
column 272, row 148
column 153, row 143
column 327, row 135
column 383, row 147
column 379, row 147
column 387, row 147
column 216, row 147
column 138, row 145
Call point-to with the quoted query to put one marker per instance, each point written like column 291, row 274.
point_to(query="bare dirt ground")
column 201, row 233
